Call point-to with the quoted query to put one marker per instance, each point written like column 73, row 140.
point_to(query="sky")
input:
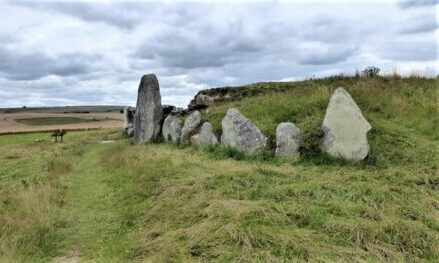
column 95, row 52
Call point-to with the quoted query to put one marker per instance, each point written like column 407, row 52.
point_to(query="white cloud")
column 95, row 52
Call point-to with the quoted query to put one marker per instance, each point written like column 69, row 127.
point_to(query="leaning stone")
column 345, row 128
column 287, row 140
column 171, row 129
column 190, row 126
column 205, row 137
column 149, row 112
column 240, row 133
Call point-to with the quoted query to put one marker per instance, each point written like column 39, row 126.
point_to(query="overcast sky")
column 83, row 53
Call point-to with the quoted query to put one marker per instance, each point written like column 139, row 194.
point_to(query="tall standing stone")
column 287, row 140
column 345, row 128
column 149, row 112
column 240, row 133
column 191, row 124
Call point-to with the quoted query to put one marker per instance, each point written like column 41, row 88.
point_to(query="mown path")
column 94, row 231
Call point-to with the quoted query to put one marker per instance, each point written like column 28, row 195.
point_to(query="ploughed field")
column 96, row 197
column 31, row 120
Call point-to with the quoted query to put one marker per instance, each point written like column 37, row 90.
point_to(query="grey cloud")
column 419, row 25
column 191, row 46
column 33, row 65
column 198, row 48
column 417, row 3
column 324, row 55
column 125, row 15
column 409, row 50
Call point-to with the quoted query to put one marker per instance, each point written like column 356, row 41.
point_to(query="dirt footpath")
column 8, row 123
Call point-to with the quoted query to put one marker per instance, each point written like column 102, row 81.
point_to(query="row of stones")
column 344, row 126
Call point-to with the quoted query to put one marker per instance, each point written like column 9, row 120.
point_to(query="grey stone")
column 240, row 133
column 190, row 126
column 200, row 101
column 149, row 112
column 171, row 129
column 167, row 110
column 128, row 114
column 205, row 137
column 130, row 131
column 345, row 128
column 287, row 140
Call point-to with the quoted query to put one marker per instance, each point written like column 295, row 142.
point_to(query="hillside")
column 98, row 197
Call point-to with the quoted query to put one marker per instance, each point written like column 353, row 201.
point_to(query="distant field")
column 37, row 120
column 54, row 120
column 64, row 109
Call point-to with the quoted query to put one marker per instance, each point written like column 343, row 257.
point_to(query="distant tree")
column 371, row 72
column 24, row 107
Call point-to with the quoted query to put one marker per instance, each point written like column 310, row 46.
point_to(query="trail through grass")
column 116, row 202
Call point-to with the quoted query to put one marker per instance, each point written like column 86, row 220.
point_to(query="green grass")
column 116, row 202
column 54, row 120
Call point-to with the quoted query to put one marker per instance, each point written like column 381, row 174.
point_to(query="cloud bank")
column 77, row 53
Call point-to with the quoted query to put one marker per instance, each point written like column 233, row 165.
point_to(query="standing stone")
column 128, row 114
column 149, row 112
column 171, row 129
column 287, row 140
column 345, row 128
column 239, row 132
column 190, row 126
column 205, row 137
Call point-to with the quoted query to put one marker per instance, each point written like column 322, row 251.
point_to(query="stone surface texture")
column 240, row 133
column 345, row 128
column 287, row 140
column 171, row 129
column 149, row 112
column 205, row 137
column 190, row 127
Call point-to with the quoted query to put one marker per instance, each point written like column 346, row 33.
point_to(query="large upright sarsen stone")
column 345, row 128
column 149, row 112
column 240, row 133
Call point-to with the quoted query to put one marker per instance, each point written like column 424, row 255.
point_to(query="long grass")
column 116, row 202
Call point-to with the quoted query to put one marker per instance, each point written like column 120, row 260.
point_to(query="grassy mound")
column 402, row 111
column 115, row 202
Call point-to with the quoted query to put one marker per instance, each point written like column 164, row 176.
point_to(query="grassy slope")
column 161, row 203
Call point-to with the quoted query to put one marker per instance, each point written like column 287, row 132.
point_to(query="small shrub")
column 371, row 72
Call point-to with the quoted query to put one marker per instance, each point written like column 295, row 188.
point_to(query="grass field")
column 53, row 120
column 97, row 197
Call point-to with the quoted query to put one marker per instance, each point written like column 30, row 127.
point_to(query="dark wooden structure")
column 58, row 133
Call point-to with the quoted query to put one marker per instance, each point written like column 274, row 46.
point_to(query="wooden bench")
column 59, row 133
